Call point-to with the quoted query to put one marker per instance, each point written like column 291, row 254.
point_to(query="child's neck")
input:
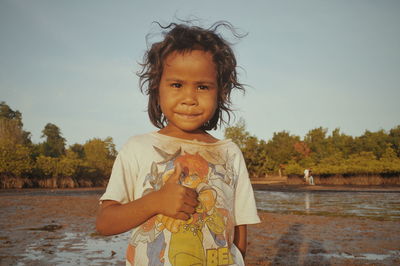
column 199, row 135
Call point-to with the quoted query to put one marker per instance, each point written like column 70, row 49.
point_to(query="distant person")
column 310, row 178
column 306, row 175
column 185, row 194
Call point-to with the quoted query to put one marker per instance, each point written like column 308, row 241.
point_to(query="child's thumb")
column 174, row 178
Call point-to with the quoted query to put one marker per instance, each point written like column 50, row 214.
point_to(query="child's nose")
column 189, row 96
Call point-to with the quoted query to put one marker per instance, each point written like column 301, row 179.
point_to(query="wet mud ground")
column 59, row 229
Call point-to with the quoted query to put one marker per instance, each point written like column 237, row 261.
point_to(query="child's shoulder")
column 139, row 137
column 137, row 142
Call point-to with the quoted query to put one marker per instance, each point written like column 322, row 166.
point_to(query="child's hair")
column 185, row 38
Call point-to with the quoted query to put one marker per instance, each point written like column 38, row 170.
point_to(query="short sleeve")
column 121, row 185
column 245, row 205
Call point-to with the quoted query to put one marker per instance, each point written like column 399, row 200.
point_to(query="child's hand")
column 175, row 200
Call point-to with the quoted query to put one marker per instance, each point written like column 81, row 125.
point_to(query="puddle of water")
column 362, row 204
column 363, row 256
column 80, row 249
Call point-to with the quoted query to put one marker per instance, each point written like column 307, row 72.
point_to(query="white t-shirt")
column 306, row 173
column 217, row 172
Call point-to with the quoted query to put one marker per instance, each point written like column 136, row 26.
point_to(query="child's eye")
column 203, row 87
column 176, row 85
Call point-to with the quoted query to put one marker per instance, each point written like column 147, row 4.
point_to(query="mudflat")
column 50, row 227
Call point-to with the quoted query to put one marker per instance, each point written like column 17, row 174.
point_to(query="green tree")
column 14, row 128
column 375, row 142
column 238, row 133
column 14, row 160
column 100, row 155
column 341, row 143
column 78, row 150
column 7, row 113
column 254, row 156
column 390, row 161
column 294, row 168
column 14, row 144
column 394, row 139
column 281, row 148
column 364, row 162
column 253, row 150
column 318, row 143
column 11, row 131
column 48, row 166
column 54, row 145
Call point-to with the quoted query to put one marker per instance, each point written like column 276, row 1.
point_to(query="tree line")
column 335, row 154
column 50, row 163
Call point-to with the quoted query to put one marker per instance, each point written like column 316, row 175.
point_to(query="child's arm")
column 172, row 200
column 240, row 238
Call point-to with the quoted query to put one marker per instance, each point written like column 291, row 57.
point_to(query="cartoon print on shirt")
column 227, row 174
column 210, row 215
column 147, row 233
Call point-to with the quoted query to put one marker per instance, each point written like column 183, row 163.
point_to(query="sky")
column 307, row 64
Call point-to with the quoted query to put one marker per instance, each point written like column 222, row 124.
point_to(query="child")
column 186, row 195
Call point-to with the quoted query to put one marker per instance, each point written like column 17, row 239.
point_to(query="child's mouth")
column 188, row 116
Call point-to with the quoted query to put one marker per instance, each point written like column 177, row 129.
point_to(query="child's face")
column 188, row 90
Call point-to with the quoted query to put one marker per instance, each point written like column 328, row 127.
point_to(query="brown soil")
column 308, row 240
column 280, row 239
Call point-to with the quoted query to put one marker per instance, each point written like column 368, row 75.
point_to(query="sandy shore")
column 317, row 240
column 39, row 229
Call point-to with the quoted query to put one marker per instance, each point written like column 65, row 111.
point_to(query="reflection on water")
column 366, row 256
column 361, row 204
column 78, row 249
column 307, row 202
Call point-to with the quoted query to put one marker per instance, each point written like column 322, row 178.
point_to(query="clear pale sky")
column 307, row 63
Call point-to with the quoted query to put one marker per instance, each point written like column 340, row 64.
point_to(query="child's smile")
column 188, row 92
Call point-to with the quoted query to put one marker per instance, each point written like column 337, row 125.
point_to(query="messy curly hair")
column 185, row 38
